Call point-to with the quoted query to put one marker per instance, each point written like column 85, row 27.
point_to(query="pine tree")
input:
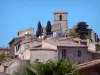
column 39, row 29
column 48, row 28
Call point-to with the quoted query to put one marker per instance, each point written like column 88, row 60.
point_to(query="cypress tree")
column 39, row 29
column 48, row 28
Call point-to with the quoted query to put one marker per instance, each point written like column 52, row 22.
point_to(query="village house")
column 21, row 36
column 67, row 48
column 5, row 50
column 22, row 48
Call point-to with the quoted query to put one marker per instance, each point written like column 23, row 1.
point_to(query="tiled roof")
column 89, row 64
column 4, row 48
column 34, row 38
column 15, row 40
column 19, row 39
column 65, row 42
column 8, row 63
column 60, row 12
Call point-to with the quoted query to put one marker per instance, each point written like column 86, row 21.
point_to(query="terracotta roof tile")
column 60, row 12
column 89, row 64
column 67, row 43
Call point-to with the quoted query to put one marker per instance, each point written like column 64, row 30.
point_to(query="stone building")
column 5, row 50
column 21, row 36
column 29, row 31
column 60, row 22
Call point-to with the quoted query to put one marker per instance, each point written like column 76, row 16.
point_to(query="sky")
column 16, row 15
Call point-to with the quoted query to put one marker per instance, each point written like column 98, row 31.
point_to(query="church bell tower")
column 60, row 17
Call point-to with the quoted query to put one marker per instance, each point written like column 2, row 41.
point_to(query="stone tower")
column 60, row 17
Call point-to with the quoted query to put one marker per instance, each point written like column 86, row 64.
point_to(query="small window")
column 64, row 53
column 79, row 53
column 60, row 17
column 37, row 60
column 5, row 69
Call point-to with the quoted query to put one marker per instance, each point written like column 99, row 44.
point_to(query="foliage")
column 48, row 28
column 73, row 34
column 3, row 57
column 82, row 30
column 52, row 67
column 39, row 29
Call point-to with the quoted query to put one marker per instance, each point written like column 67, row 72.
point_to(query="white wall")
column 91, row 47
column 26, row 54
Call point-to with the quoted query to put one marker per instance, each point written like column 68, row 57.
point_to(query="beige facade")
column 29, row 31
column 43, row 54
column 72, row 51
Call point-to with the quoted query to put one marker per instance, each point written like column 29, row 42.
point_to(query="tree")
column 48, row 28
column 82, row 30
column 3, row 57
column 39, row 29
column 73, row 34
column 52, row 67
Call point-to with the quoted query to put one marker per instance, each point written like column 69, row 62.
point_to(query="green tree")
column 3, row 57
column 73, row 34
column 39, row 29
column 52, row 67
column 48, row 28
column 82, row 30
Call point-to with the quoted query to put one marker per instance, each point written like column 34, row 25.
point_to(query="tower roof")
column 60, row 12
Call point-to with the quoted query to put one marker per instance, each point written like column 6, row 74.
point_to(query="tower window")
column 60, row 17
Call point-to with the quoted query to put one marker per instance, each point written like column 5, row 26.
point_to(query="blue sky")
column 16, row 15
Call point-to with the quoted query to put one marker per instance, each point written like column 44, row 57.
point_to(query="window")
column 79, row 53
column 5, row 69
column 60, row 17
column 79, row 62
column 64, row 53
column 37, row 60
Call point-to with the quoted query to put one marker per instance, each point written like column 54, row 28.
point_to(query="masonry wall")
column 18, row 65
column 22, row 52
column 72, row 54
column 43, row 55
column 22, row 33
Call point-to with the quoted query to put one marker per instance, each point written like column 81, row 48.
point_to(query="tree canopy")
column 3, row 57
column 52, row 67
column 82, row 29
column 39, row 29
column 73, row 34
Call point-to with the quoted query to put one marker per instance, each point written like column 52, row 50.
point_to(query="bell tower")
column 60, row 17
